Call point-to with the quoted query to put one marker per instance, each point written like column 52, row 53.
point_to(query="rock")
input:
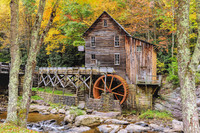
column 156, row 128
column 67, row 107
column 54, row 111
column 78, row 130
column 177, row 125
column 61, row 111
column 40, row 102
column 109, row 128
column 122, row 131
column 141, row 123
column 198, row 102
column 115, row 121
column 89, row 111
column 107, row 114
column 69, row 118
column 38, row 108
column 132, row 128
column 81, row 105
column 45, row 112
column 87, row 120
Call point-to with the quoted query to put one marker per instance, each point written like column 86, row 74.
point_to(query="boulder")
column 81, row 105
column 122, row 131
column 142, row 123
column 78, row 130
column 69, row 118
column 132, row 128
column 107, row 114
column 54, row 111
column 177, row 125
column 40, row 102
column 67, row 107
column 88, row 120
column 45, row 112
column 38, row 108
column 89, row 111
column 156, row 128
column 61, row 111
column 170, row 101
column 115, row 121
column 111, row 128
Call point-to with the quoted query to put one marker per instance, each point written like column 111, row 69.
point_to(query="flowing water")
column 36, row 117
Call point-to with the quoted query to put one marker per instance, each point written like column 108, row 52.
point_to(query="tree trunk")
column 15, row 64
column 185, row 71
column 30, row 66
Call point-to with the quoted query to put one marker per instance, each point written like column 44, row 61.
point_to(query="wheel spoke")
column 117, row 94
column 98, row 97
column 104, row 83
column 111, row 82
column 116, row 87
column 99, row 88
column 117, row 97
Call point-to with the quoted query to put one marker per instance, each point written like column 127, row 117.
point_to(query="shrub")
column 77, row 112
column 173, row 72
column 153, row 114
column 36, row 97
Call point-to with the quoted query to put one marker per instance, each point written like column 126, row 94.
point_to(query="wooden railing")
column 5, row 68
column 149, row 80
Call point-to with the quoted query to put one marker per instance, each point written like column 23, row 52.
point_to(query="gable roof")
column 104, row 12
column 119, row 25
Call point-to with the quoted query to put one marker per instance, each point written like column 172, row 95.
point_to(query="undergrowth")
column 8, row 128
column 154, row 114
column 50, row 90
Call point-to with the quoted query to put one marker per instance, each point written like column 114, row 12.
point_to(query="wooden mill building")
column 108, row 44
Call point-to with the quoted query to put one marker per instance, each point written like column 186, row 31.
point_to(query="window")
column 116, row 41
column 117, row 58
column 139, row 48
column 105, row 24
column 93, row 41
column 93, row 56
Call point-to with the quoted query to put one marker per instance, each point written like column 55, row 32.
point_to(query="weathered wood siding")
column 132, row 62
column 141, row 63
column 105, row 50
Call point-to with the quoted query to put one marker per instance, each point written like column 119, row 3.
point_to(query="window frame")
column 92, row 56
column 115, row 59
column 118, row 41
column 138, row 46
column 105, row 20
column 91, row 41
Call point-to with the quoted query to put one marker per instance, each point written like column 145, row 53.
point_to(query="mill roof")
column 119, row 25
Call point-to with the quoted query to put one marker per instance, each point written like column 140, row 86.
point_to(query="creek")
column 46, row 123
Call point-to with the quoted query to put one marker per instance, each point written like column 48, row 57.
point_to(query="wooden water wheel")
column 114, row 84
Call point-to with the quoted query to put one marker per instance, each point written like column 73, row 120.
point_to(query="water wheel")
column 114, row 84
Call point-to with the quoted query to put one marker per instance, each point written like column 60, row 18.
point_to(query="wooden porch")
column 149, row 80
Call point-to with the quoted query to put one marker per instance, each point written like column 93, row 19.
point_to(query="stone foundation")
column 106, row 103
column 66, row 100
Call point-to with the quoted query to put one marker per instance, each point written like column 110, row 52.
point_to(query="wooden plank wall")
column 104, row 50
column 139, row 63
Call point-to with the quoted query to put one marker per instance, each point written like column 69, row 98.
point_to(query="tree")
column 15, row 63
column 187, row 65
column 36, row 42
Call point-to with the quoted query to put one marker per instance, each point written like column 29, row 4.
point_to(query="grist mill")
column 115, row 63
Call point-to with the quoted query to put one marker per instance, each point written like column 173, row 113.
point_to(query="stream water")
column 35, row 119
column 46, row 123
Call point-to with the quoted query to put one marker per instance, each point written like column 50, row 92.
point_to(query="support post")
column 90, row 83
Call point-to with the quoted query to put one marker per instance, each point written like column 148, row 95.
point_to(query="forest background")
column 154, row 21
